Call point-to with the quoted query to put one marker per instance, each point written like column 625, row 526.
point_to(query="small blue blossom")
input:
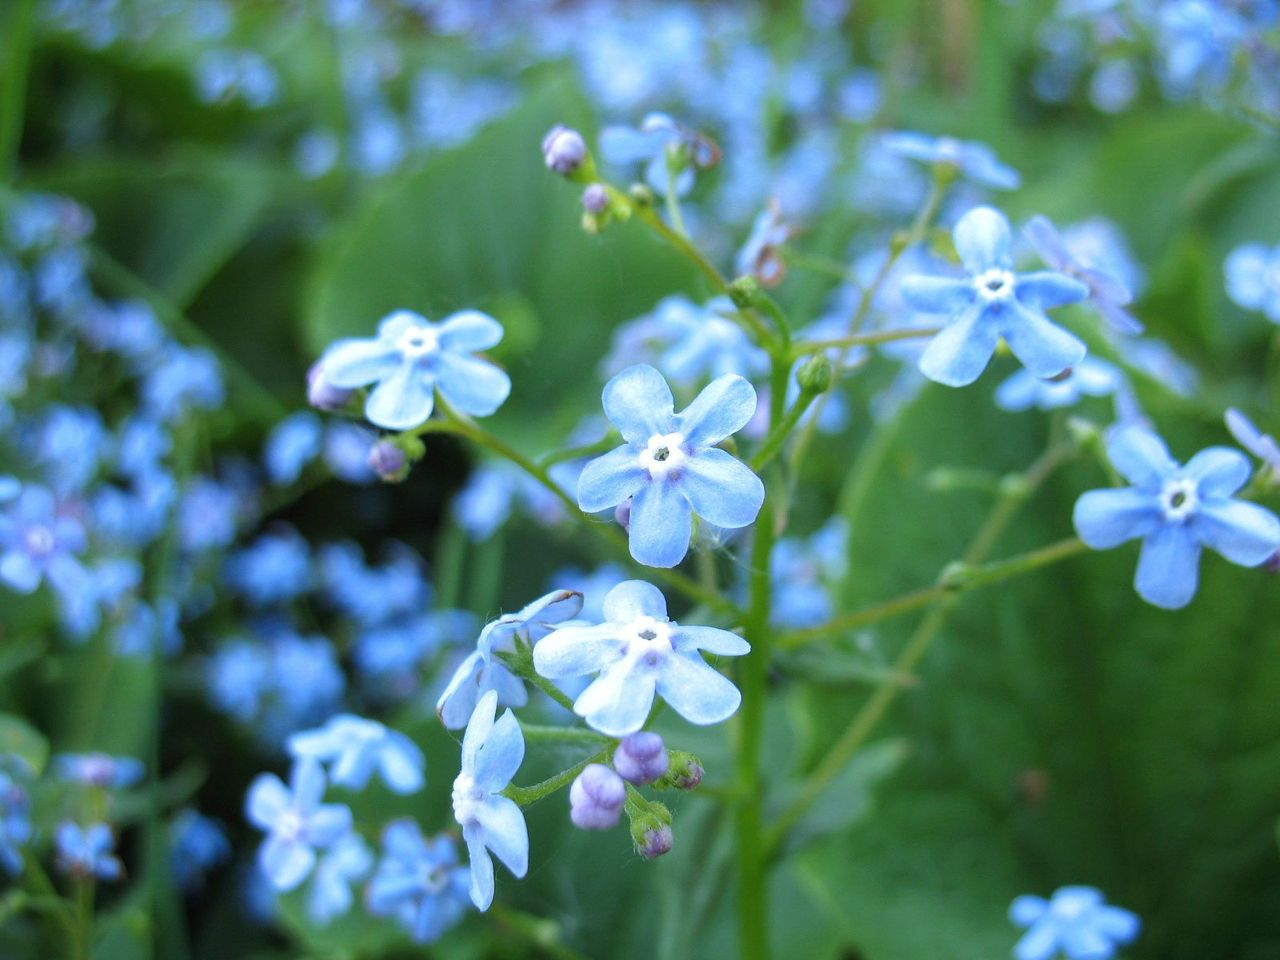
column 1075, row 923
column 993, row 302
column 293, row 444
column 411, row 358
column 344, row 864
column 638, row 653
column 484, row 504
column 1104, row 277
column 688, row 343
column 419, row 882
column 1091, row 377
column 1261, row 445
column 355, row 747
column 15, row 823
column 374, row 594
column 391, row 657
column 482, row 671
column 296, row 822
column 491, row 755
column 208, row 515
column 803, row 572
column 87, row 851
column 974, row 160
column 38, row 542
column 197, row 844
column 1253, row 278
column 1176, row 511
column 669, row 151
column 99, row 770
column 183, row 380
column 669, row 466
column 274, row 568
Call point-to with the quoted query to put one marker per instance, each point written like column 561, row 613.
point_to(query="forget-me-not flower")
column 411, row 358
column 296, row 822
column 1176, row 510
column 1253, row 278
column 669, row 466
column 1075, row 923
column 482, row 671
column 344, row 864
column 87, row 851
column 639, row 653
column 976, row 161
column 993, row 302
column 197, row 844
column 355, row 747
column 419, row 882
column 1107, row 289
column 37, row 541
column 657, row 143
column 15, row 823
column 99, row 769
column 491, row 754
column 1091, row 377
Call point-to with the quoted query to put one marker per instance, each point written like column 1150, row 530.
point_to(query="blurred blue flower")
column 1107, row 290
column 974, row 160
column 369, row 594
column 419, row 882
column 993, row 302
column 669, row 466
column 293, row 444
column 346, row 451
column 208, row 514
column 803, row 573
column 411, row 358
column 491, row 755
column 391, row 657
column 274, row 568
column 1175, row 510
column 87, row 851
column 668, row 151
column 1253, row 278
column 99, row 770
column 355, row 747
column 184, row 379
column 296, row 822
column 1075, row 923
column 70, row 443
column 1091, row 377
column 197, row 844
column 15, row 823
column 637, row 653
column 37, row 541
column 345, row 864
column 483, row 505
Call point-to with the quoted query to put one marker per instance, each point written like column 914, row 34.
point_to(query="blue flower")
column 669, row 466
column 411, row 358
column 274, row 568
column 1176, row 510
column 296, row 822
column 15, row 823
column 1253, row 278
column 1090, row 378
column 637, row 653
column 1102, row 275
column 491, row 755
column 993, row 302
column 197, row 844
column 98, row 770
column 1261, row 445
column 356, row 747
column 184, row 379
column 667, row 150
column 974, row 160
column 802, row 572
column 484, row 504
column 1076, row 923
column 482, row 671
column 294, row 443
column 345, row 863
column 88, row 851
column 419, row 882
column 38, row 542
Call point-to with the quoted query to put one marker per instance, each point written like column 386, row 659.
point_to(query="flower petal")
column 1219, row 471
column 696, row 691
column 469, row 331
column 1043, row 348
column 1243, row 532
column 481, row 867
column 577, row 651
column 1027, row 909
column 401, row 763
column 1038, row 943
column 308, row 782
column 723, row 408
column 982, row 238
column 1169, row 567
column 403, row 400
column 478, row 727
column 618, row 702
column 632, row 599
column 472, row 385
column 329, row 822
column 357, row 362
column 661, row 525
column 267, row 799
column 721, row 489
column 937, row 294
column 961, row 351
column 1140, row 456
column 1046, row 289
column 711, row 639
column 505, row 833
column 459, row 699
column 638, row 402
column 286, row 863
column 501, row 756
column 609, row 479
column 1107, row 518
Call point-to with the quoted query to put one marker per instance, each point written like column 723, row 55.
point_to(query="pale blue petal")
column 695, row 690
column 501, row 756
column 328, row 823
column 1082, row 942
column 481, row 867
column 1046, row 289
column 961, row 351
column 1219, row 471
column 469, row 331
column 937, row 294
column 403, row 400
column 285, row 863
column 617, row 703
column 401, row 763
column 458, row 702
column 1141, row 457
column 1019, row 392
column 1044, row 236
column 723, row 408
column 661, row 525
column 472, row 385
column 1027, row 909
column 20, row 571
column 358, row 362
column 626, row 145
column 638, row 402
column 577, row 651
column 721, row 489
column 982, row 238
column 1246, row 274
column 611, row 478
column 632, row 599
column 307, row 782
column 1243, row 532
column 1107, row 518
column 711, row 639
column 1169, row 567
column 1043, row 348
column 478, row 728
column 396, row 324
column 268, row 798
column 1119, row 924
column 505, row 833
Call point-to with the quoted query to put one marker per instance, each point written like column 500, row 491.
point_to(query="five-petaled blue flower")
column 297, row 823
column 87, row 851
column 491, row 755
column 411, row 358
column 1253, row 278
column 356, row 747
column 1075, row 923
column 638, row 652
column 670, row 466
column 993, row 302
column 1176, row 510
column 975, row 160
column 419, row 882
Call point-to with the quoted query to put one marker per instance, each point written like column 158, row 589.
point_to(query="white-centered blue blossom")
column 419, row 882
column 482, row 671
column 491, row 754
column 296, row 822
column 638, row 653
column 991, row 303
column 1076, row 923
column 87, row 851
column 355, row 747
column 1176, row 511
column 1253, row 278
column 411, row 358
column 976, row 161
column 669, row 465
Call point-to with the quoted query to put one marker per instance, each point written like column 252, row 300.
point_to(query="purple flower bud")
column 622, row 514
column 387, row 460
column 596, row 798
column 655, row 842
column 563, row 149
column 1272, row 563
column 641, row 758
column 595, row 199
column 323, row 395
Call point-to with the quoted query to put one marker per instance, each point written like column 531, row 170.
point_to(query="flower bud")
column 595, row 199
column 641, row 758
column 596, row 798
column 323, row 395
column 684, row 773
column 655, row 842
column 814, row 375
column 745, row 292
column 650, row 828
column 564, row 150
column 388, row 461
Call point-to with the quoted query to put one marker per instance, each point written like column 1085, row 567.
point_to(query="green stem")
column 521, row 664
column 862, row 339
column 84, row 918
column 537, row 733
column 778, row 435
column 673, row 201
column 603, row 445
column 524, row 796
column 39, row 879
column 13, row 98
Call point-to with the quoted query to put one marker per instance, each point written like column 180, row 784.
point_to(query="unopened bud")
column 323, row 395
column 564, row 150
column 745, row 292
column 650, row 828
column 596, row 798
column 654, row 842
column 684, row 773
column 814, row 375
column 388, row 461
column 595, row 199
column 641, row 758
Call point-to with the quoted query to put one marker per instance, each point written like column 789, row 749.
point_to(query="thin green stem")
column 805, row 347
column 84, row 918
column 536, row 733
column 451, row 553
column 673, row 201
column 524, row 796
column 13, row 98
column 521, row 664
column 777, row 437
column 39, row 879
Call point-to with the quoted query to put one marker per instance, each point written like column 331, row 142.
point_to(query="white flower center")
column 434, row 879
column 39, row 540
column 994, row 284
column 650, row 640
column 663, row 454
column 418, row 342
column 290, row 825
column 1179, row 499
column 948, row 150
column 467, row 798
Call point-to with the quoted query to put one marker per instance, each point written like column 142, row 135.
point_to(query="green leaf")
column 19, row 738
